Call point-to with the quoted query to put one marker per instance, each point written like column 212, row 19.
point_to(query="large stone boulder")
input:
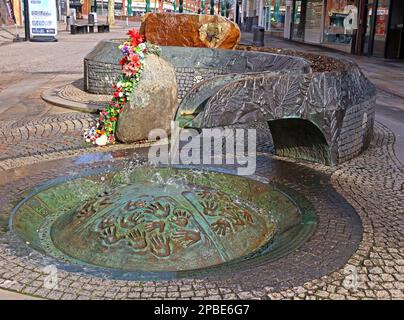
column 152, row 104
column 190, row 30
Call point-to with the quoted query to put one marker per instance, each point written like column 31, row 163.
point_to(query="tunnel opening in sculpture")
column 300, row 139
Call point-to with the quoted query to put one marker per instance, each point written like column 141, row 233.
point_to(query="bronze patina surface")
column 160, row 219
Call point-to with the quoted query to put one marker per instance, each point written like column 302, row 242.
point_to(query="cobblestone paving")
column 372, row 183
column 43, row 136
column 75, row 92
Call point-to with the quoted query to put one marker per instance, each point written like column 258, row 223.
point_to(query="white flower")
column 120, row 94
column 101, row 141
column 142, row 46
column 119, row 84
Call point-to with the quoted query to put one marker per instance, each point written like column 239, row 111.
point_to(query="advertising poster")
column 43, row 18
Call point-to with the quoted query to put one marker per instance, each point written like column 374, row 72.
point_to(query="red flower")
column 135, row 59
column 123, row 61
column 135, row 36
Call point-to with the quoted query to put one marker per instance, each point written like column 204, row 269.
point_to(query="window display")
column 275, row 15
column 341, row 19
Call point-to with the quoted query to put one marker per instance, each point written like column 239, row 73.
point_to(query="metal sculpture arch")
column 219, row 88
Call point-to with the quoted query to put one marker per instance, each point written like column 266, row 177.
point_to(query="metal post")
column 67, row 8
column 26, row 20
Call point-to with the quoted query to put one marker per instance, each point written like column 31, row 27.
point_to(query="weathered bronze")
column 149, row 219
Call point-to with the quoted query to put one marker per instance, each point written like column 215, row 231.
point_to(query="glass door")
column 369, row 28
column 381, row 27
column 267, row 17
column 395, row 45
column 314, row 18
column 299, row 18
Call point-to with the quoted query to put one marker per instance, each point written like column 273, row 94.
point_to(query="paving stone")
column 397, row 294
column 379, row 259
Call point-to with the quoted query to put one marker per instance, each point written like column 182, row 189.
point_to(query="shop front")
column 383, row 30
column 331, row 23
column 368, row 27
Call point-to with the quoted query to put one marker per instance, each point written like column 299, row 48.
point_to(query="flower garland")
column 132, row 64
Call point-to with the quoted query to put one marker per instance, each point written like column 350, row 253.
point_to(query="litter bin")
column 92, row 18
column 258, row 36
column 70, row 20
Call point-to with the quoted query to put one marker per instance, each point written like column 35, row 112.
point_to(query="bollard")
column 258, row 36
column 68, row 23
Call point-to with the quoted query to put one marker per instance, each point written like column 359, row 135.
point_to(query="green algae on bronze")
column 149, row 219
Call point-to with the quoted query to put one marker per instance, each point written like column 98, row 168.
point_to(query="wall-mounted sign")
column 42, row 18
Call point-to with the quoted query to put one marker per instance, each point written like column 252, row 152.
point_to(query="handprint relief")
column 221, row 227
column 181, row 217
column 210, row 208
column 158, row 210
column 136, row 218
column 163, row 226
column 93, row 206
column 160, row 245
column 137, row 239
column 247, row 216
column 153, row 225
column 204, row 194
column 131, row 221
column 187, row 237
column 111, row 235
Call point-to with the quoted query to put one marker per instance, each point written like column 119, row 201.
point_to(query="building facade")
column 138, row 7
column 369, row 27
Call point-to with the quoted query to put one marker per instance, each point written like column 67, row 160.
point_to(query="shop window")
column 274, row 15
column 340, row 21
column 307, row 21
column 381, row 27
column 314, row 14
column 299, row 19
column 395, row 47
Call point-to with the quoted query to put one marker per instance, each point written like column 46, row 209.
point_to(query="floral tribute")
column 132, row 64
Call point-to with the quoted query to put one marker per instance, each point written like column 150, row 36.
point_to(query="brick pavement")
column 32, row 135
column 372, row 184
